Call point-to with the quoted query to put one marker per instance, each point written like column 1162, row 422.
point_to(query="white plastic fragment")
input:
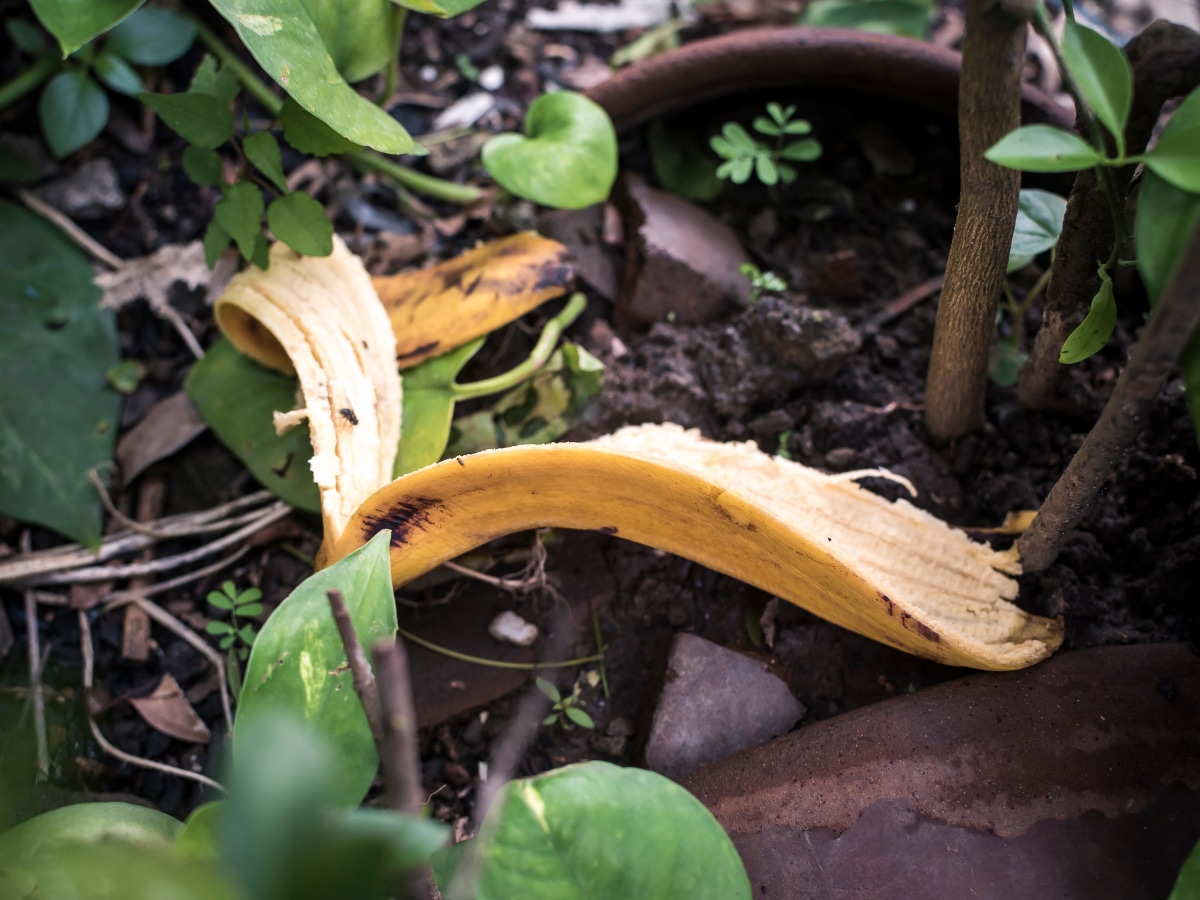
column 512, row 629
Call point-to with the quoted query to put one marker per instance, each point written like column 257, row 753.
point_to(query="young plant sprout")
column 761, row 282
column 745, row 155
column 236, row 638
column 564, row 710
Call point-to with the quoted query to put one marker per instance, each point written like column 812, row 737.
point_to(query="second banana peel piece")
column 886, row 570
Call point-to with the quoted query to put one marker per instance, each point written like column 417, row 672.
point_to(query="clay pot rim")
column 754, row 58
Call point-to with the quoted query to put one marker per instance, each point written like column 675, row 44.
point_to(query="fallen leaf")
column 168, row 427
column 168, row 710
column 152, row 276
column 436, row 309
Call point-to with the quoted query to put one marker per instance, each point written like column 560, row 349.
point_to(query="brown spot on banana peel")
column 657, row 503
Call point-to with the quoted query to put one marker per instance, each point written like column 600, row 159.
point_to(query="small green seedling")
column 236, row 637
column 565, row 711
column 761, row 282
column 745, row 155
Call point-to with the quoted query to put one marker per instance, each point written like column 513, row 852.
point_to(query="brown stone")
column 1076, row 778
column 683, row 263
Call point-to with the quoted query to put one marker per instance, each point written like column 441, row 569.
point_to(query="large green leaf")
column 1187, row 886
column 1039, row 223
column 58, row 416
column 199, row 118
column 595, row 831
column 360, row 34
column 428, row 408
column 288, row 836
column 282, row 37
column 298, row 665
column 152, row 36
column 237, row 397
column 1166, row 218
column 1176, row 157
column 72, row 109
column 75, row 22
column 1043, row 148
column 444, row 8
column 568, row 158
column 909, row 18
column 1102, row 74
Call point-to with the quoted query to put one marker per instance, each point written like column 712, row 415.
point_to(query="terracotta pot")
column 877, row 64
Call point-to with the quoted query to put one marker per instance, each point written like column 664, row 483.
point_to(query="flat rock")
column 714, row 702
column 1077, row 778
column 89, row 192
column 683, row 263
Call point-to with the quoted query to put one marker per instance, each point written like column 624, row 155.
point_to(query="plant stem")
column 401, row 759
column 28, row 81
column 363, row 160
column 364, row 678
column 1167, row 331
column 393, row 70
column 495, row 663
column 428, row 185
column 989, row 107
column 541, row 352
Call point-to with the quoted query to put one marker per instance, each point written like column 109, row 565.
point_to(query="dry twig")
column 98, row 251
column 360, row 669
column 36, row 693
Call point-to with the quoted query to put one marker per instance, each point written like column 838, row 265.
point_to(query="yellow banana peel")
column 884, row 569
column 320, row 318
column 437, row 309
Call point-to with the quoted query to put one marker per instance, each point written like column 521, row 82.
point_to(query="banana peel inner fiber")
column 884, row 569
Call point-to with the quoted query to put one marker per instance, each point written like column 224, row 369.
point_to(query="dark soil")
column 848, row 238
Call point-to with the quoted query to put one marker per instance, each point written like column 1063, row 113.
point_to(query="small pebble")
column 491, row 78
column 511, row 628
column 428, row 73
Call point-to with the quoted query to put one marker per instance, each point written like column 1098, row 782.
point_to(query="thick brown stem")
column 989, row 107
column 1171, row 323
column 360, row 669
column 1166, row 63
column 401, row 758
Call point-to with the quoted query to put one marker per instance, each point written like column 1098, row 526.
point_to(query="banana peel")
column 886, row 570
column 437, row 309
column 320, row 318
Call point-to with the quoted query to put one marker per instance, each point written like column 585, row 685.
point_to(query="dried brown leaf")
column 168, row 710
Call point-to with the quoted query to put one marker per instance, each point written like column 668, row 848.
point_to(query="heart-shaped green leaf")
column 298, row 665
column 301, row 222
column 1039, row 223
column 595, row 831
column 567, row 159
column 72, row 110
column 75, row 22
column 152, row 36
column 360, row 34
column 199, row 118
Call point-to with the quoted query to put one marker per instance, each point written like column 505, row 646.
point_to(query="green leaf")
column 220, row 600
column 263, row 150
column 765, row 169
column 1187, row 885
column 58, row 416
column 802, row 151
column 72, row 110
column 298, row 664
column 739, row 139
column 284, row 40
column 152, row 36
column 1039, row 223
column 261, row 254
column 908, row 18
column 579, row 717
column 1176, row 158
column 203, row 166
column 763, row 125
column 287, row 834
column 740, row 169
column 28, row 37
column 249, row 595
column 216, row 82
column 1005, row 362
column 537, row 412
column 125, row 376
column 359, row 34
column 240, row 212
column 200, row 119
column 301, row 222
column 310, row 135
column 681, row 163
column 249, row 610
column 568, row 159
column 1095, row 330
column 1043, row 148
column 117, row 74
column 779, row 114
column 447, row 9
column 216, row 239
column 595, row 830
column 1166, row 218
column 549, row 689
column 800, row 126
column 75, row 22
column 217, row 627
column 428, row 408
column 197, row 839
column 1103, row 76
column 237, row 397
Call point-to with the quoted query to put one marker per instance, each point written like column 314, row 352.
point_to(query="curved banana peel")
column 886, row 570
column 320, row 318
